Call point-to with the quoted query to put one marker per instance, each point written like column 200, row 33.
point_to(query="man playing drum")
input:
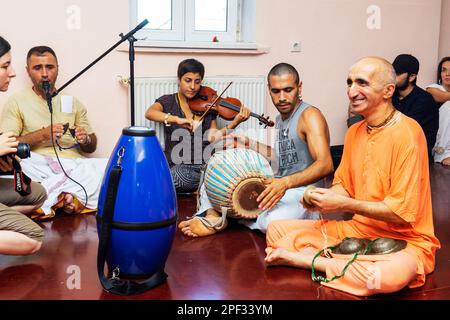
column 301, row 153
column 383, row 179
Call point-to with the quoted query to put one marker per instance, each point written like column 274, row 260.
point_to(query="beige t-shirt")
column 26, row 112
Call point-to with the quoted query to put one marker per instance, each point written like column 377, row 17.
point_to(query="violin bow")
column 214, row 102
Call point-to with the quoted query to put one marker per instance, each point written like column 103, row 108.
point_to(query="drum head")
column 244, row 198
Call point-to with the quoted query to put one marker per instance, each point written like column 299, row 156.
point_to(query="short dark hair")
column 41, row 50
column 439, row 78
column 284, row 68
column 5, row 47
column 406, row 63
column 190, row 65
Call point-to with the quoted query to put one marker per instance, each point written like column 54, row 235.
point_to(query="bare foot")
column 195, row 228
column 446, row 162
column 283, row 257
column 69, row 206
column 269, row 250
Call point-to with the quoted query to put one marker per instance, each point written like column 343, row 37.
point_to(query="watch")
column 166, row 123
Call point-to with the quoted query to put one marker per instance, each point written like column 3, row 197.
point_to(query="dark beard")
column 404, row 85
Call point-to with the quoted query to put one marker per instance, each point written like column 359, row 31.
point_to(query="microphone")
column 46, row 88
column 48, row 95
column 138, row 27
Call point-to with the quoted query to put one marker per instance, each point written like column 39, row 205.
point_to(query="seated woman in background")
column 19, row 235
column 184, row 137
column 441, row 94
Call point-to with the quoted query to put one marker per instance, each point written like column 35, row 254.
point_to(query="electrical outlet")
column 296, row 46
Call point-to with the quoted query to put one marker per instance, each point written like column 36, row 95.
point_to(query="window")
column 194, row 23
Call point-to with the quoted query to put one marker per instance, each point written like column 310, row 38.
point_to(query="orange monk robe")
column 388, row 165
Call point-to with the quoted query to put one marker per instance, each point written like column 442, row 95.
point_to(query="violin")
column 227, row 108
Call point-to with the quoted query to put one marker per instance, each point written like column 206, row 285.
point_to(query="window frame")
column 234, row 38
column 230, row 35
column 175, row 34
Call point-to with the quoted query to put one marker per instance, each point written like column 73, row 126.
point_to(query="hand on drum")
column 236, row 141
column 275, row 190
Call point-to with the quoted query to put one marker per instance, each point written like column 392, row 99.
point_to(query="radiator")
column 251, row 91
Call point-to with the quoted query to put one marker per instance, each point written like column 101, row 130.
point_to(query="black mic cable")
column 48, row 95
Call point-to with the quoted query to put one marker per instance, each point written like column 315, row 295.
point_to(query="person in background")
column 441, row 94
column 19, row 235
column 413, row 101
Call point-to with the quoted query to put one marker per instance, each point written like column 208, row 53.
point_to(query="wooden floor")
column 226, row 266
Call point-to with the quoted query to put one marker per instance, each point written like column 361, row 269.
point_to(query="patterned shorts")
column 186, row 177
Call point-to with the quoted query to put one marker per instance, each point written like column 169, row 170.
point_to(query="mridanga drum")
column 234, row 180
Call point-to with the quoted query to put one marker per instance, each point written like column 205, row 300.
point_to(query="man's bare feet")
column 69, row 206
column 446, row 162
column 283, row 257
column 196, row 228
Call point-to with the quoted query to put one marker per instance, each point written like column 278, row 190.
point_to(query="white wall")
column 333, row 33
column 444, row 43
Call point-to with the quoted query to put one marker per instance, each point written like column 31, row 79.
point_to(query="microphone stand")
column 130, row 37
column 131, row 56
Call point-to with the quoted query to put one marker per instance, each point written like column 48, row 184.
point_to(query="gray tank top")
column 292, row 152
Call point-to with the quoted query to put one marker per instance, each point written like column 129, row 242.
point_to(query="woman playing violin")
column 185, row 137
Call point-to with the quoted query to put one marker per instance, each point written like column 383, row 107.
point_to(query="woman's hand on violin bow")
column 185, row 123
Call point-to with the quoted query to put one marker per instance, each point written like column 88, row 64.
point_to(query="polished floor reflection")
column 229, row 265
